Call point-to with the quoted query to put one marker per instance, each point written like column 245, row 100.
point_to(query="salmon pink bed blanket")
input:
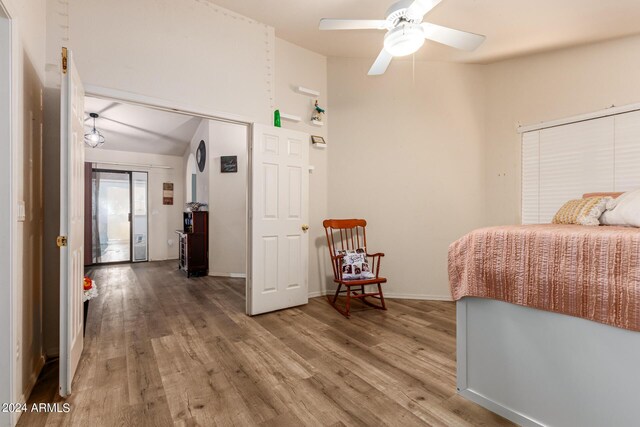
column 588, row 272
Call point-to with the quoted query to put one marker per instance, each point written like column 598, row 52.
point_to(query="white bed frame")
column 538, row 368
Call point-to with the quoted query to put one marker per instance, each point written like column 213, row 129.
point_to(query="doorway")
column 119, row 216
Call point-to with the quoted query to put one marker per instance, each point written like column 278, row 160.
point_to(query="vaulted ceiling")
column 134, row 128
column 513, row 27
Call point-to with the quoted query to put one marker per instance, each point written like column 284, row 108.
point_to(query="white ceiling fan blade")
column 450, row 37
column 419, row 8
column 353, row 24
column 381, row 63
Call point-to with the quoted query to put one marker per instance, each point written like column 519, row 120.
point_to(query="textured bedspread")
column 588, row 272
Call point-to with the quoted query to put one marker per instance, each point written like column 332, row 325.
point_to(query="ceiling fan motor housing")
column 404, row 39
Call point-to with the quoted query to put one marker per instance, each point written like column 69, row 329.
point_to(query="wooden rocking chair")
column 350, row 234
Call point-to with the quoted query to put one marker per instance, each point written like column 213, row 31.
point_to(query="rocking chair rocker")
column 350, row 234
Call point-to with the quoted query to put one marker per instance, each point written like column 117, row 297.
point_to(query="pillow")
column 625, row 210
column 355, row 265
column 582, row 211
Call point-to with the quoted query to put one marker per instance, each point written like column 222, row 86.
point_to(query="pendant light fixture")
column 94, row 138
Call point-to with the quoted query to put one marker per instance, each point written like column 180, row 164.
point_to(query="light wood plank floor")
column 161, row 349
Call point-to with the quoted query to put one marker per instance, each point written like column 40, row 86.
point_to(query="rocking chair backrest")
column 342, row 235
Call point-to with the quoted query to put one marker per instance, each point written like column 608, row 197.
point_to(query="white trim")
column 232, row 275
column 8, row 270
column 133, row 165
column 394, row 295
column 162, row 104
column 391, row 295
column 611, row 111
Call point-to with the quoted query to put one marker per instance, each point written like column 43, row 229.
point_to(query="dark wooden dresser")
column 194, row 243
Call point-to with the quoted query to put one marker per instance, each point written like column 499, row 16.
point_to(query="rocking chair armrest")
column 379, row 256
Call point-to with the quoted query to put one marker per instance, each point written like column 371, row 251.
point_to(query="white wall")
column 164, row 220
column 295, row 67
column 202, row 178
column 227, row 201
column 544, row 87
column 191, row 52
column 409, row 158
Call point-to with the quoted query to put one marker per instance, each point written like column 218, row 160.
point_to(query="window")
column 564, row 162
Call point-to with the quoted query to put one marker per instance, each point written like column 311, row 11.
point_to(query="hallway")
column 161, row 349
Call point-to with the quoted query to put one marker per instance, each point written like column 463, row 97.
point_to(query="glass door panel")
column 111, row 207
column 140, row 219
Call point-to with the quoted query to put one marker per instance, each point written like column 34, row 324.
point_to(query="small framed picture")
column 228, row 164
column 315, row 139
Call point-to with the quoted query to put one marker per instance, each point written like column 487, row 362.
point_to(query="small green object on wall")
column 276, row 119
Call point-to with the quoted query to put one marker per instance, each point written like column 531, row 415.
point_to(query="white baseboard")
column 234, row 275
column 425, row 297
column 392, row 295
column 317, row 294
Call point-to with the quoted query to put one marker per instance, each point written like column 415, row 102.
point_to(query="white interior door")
column 278, row 265
column 71, row 220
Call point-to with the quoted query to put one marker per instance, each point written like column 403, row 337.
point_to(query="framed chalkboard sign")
column 228, row 164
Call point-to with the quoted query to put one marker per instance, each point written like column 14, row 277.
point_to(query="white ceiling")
column 513, row 27
column 140, row 129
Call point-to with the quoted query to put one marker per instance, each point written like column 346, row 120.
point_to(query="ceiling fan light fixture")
column 404, row 40
column 94, row 138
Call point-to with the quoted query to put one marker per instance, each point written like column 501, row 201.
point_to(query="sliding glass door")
column 139, row 223
column 119, row 234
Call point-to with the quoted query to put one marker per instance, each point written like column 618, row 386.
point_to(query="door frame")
column 124, row 172
column 10, row 129
column 129, row 172
column 164, row 105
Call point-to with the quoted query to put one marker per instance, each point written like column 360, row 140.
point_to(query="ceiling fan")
column 406, row 32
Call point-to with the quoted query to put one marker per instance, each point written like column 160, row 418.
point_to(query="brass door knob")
column 305, row 227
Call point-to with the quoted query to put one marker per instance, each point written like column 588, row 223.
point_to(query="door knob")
column 305, row 227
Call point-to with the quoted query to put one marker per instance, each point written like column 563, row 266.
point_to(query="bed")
column 549, row 323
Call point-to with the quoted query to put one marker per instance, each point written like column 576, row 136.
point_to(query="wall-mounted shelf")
column 319, row 145
column 290, row 117
column 316, row 123
column 307, row 91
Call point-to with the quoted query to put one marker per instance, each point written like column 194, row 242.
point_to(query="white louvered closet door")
column 627, row 151
column 531, row 177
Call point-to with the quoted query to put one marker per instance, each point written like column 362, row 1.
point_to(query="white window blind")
column 572, row 159
column 627, row 151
